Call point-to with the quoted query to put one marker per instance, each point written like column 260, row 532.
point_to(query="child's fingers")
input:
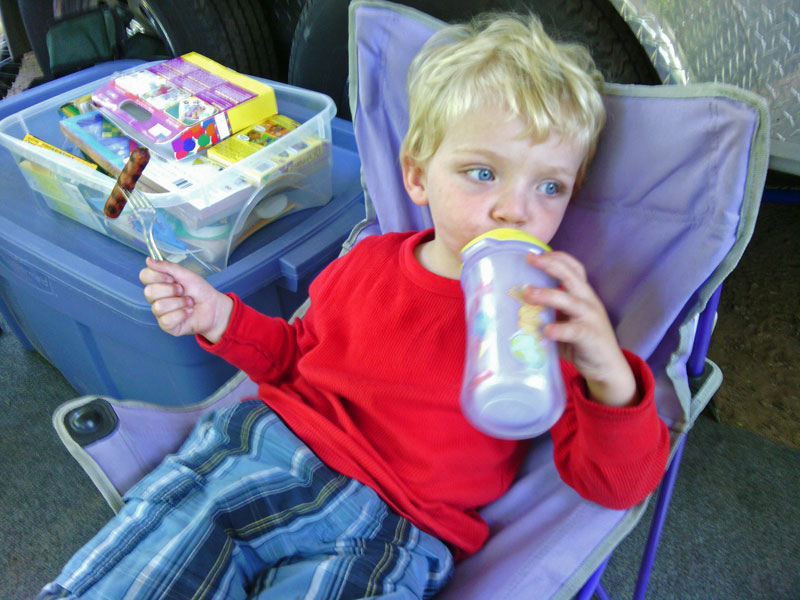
column 157, row 291
column 565, row 332
column 579, row 318
column 170, row 270
column 565, row 268
column 158, row 266
column 148, row 276
column 171, row 322
column 171, row 304
column 564, row 302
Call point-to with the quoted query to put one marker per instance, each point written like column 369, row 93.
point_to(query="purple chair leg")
column 694, row 367
column 591, row 586
column 702, row 338
column 601, row 592
column 657, row 524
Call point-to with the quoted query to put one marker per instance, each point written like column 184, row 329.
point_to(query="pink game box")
column 185, row 104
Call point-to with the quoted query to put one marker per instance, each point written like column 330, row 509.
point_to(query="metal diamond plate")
column 750, row 43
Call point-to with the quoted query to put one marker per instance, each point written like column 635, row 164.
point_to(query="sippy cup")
column 512, row 387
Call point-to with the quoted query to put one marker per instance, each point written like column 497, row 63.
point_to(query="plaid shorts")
column 246, row 510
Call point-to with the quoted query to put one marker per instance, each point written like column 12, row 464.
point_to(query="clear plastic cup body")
column 512, row 386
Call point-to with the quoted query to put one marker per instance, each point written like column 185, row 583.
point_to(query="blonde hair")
column 509, row 60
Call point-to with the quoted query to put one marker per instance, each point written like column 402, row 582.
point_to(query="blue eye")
column 481, row 174
column 551, row 188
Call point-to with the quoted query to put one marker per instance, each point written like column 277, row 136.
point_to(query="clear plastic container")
column 206, row 211
column 513, row 387
column 73, row 294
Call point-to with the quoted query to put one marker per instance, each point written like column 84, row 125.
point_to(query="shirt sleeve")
column 266, row 347
column 614, row 456
column 262, row 346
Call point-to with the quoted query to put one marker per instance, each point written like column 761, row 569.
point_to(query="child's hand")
column 583, row 330
column 183, row 302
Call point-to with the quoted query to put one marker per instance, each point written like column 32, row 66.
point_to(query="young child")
column 354, row 473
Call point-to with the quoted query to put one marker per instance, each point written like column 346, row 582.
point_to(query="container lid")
column 508, row 234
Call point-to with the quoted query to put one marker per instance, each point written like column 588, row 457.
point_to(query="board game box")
column 185, row 104
column 249, row 141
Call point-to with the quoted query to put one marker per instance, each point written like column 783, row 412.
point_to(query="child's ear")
column 414, row 181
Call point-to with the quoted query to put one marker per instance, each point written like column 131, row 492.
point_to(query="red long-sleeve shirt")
column 370, row 380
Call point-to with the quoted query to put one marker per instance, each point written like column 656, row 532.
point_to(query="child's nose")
column 510, row 209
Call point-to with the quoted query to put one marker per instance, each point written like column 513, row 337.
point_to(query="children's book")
column 33, row 140
column 251, row 140
column 244, row 152
column 99, row 139
column 296, row 160
column 103, row 142
column 289, row 164
column 77, row 106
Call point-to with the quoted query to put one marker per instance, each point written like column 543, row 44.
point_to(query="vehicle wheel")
column 319, row 49
column 9, row 69
column 598, row 25
column 37, row 16
column 283, row 16
column 235, row 33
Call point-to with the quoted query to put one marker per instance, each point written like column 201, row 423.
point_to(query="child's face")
column 487, row 174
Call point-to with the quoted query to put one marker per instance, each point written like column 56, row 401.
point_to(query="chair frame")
column 695, row 367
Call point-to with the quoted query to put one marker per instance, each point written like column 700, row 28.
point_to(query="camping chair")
column 665, row 214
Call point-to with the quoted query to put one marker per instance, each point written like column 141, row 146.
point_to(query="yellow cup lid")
column 508, row 234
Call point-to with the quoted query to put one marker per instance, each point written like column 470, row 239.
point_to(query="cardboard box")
column 249, row 141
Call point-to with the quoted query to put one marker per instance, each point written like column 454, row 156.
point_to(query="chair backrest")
column 668, row 206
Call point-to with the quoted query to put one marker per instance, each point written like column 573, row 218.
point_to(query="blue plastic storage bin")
column 203, row 210
column 73, row 294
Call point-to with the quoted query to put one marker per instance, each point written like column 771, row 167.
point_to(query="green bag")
column 83, row 40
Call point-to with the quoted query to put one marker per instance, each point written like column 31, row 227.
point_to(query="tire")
column 235, row 33
column 598, row 25
column 283, row 16
column 9, row 69
column 37, row 16
column 319, row 50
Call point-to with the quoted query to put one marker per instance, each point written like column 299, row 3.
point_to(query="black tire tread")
column 283, row 16
column 319, row 49
column 318, row 65
column 617, row 52
column 235, row 33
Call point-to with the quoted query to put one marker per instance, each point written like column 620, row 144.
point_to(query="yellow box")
column 249, row 141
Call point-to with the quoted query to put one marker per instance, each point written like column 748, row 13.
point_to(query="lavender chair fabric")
column 144, row 435
column 665, row 214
